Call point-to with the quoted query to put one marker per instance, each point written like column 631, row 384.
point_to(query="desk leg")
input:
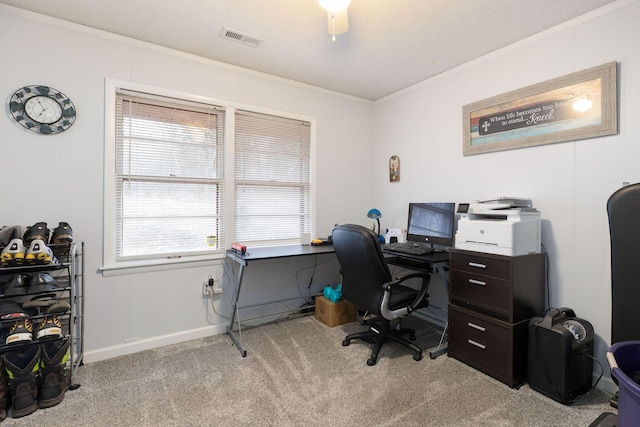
column 442, row 345
column 237, row 341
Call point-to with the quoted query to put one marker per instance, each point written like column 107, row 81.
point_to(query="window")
column 272, row 179
column 169, row 173
column 185, row 175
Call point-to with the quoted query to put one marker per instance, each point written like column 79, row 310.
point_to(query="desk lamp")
column 375, row 214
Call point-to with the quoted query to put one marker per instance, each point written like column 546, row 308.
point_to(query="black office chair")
column 367, row 283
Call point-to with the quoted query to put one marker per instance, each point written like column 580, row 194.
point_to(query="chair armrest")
column 388, row 290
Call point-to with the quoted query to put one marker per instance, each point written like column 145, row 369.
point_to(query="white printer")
column 502, row 225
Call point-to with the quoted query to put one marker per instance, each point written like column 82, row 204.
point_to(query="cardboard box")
column 334, row 314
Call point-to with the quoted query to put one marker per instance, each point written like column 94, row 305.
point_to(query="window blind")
column 169, row 177
column 272, row 179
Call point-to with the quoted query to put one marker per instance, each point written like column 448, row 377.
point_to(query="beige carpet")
column 298, row 373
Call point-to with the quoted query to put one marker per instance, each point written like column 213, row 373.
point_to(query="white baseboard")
column 151, row 343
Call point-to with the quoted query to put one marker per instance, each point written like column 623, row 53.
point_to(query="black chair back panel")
column 623, row 208
column 363, row 267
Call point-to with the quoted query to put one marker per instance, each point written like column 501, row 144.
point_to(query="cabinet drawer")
column 487, row 266
column 481, row 343
column 492, row 346
column 488, row 293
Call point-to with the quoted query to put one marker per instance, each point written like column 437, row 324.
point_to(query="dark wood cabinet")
column 492, row 299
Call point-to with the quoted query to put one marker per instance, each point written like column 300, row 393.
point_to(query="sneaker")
column 11, row 310
column 62, row 234
column 60, row 306
column 15, row 289
column 61, row 238
column 39, row 253
column 13, row 254
column 42, row 291
column 37, row 231
column 20, row 332
column 49, row 328
column 8, row 233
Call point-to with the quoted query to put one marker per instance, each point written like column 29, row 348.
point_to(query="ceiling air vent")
column 239, row 37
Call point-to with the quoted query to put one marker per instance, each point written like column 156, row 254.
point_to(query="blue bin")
column 624, row 359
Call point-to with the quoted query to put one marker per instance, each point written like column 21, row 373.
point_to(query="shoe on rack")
column 10, row 312
column 54, row 373
column 16, row 288
column 13, row 254
column 63, row 233
column 43, row 291
column 49, row 328
column 20, row 332
column 39, row 253
column 60, row 306
column 37, row 231
column 23, row 369
column 10, row 232
column 61, row 238
column 4, row 391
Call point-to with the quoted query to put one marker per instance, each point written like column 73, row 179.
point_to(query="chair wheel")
column 417, row 357
column 346, row 343
column 371, row 362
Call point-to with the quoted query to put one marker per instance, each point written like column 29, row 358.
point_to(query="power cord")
column 308, row 296
column 546, row 276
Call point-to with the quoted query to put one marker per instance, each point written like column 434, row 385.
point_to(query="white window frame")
column 111, row 266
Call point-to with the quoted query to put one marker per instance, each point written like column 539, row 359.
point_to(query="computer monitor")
column 431, row 223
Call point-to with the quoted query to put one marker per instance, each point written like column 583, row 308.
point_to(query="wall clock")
column 42, row 109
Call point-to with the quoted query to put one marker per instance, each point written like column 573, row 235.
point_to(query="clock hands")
column 43, row 108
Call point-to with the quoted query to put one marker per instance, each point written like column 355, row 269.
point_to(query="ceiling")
column 390, row 45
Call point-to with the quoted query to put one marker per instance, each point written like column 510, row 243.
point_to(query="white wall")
column 568, row 182
column 60, row 177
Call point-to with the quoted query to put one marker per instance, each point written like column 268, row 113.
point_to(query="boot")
column 4, row 391
column 54, row 372
column 23, row 368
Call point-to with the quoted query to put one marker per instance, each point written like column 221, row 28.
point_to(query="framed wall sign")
column 576, row 106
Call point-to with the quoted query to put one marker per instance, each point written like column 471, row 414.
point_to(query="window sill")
column 147, row 266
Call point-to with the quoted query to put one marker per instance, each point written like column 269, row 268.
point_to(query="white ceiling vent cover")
column 239, row 37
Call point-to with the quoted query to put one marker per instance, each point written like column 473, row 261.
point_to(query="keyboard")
column 408, row 248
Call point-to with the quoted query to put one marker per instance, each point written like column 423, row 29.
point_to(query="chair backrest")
column 362, row 264
column 623, row 208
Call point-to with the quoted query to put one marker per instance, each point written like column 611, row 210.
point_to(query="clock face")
column 42, row 109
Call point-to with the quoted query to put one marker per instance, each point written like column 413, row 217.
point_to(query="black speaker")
column 560, row 355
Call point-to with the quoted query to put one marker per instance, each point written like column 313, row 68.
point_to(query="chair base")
column 381, row 333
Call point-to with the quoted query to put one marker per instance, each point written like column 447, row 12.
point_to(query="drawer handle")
column 474, row 326
column 477, row 344
column 477, row 264
column 477, row 282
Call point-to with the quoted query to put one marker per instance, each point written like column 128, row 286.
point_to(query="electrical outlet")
column 206, row 289
column 209, row 288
